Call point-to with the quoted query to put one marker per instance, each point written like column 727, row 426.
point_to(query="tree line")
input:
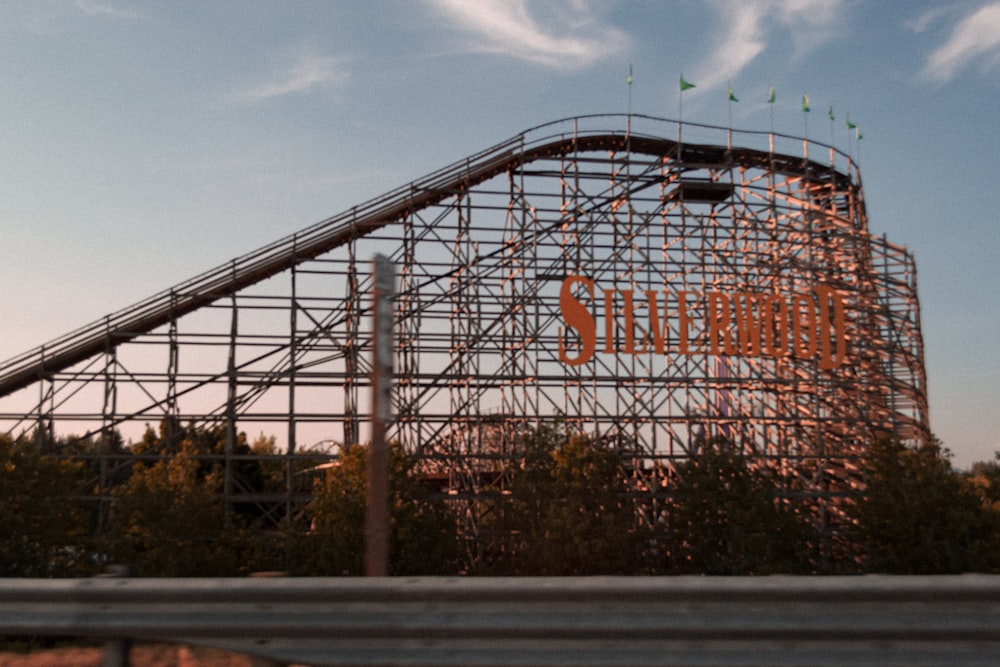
column 570, row 508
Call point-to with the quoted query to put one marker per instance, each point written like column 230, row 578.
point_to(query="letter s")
column 576, row 316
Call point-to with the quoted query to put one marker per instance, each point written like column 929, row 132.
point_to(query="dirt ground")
column 143, row 655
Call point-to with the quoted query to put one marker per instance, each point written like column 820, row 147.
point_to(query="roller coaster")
column 648, row 282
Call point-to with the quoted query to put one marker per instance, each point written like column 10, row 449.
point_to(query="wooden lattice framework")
column 278, row 341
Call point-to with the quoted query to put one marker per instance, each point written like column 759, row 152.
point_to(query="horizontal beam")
column 803, row 621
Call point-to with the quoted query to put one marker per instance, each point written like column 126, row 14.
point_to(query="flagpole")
column 829, row 114
column 850, row 126
column 770, row 104
column 684, row 85
column 850, row 148
column 730, row 98
column 628, row 117
column 680, row 115
column 805, row 124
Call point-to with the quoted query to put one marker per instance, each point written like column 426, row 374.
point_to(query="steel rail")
column 804, row 621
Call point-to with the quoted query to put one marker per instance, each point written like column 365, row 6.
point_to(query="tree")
column 169, row 519
column 568, row 512
column 422, row 530
column 42, row 526
column 918, row 516
column 726, row 518
column 985, row 479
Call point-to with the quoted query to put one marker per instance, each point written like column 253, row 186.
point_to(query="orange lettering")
column 829, row 358
column 810, row 325
column 775, row 324
column 630, row 325
column 684, row 323
column 658, row 335
column 747, row 326
column 577, row 318
column 804, row 327
column 609, row 321
column 719, row 324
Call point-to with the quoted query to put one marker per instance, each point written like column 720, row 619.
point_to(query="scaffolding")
column 731, row 283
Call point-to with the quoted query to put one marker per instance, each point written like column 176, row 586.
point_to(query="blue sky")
column 145, row 142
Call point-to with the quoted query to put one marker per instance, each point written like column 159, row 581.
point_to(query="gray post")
column 117, row 651
column 377, row 505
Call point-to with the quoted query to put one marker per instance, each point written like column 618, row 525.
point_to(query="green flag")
column 805, row 103
column 857, row 133
column 829, row 113
column 629, row 80
column 770, row 100
column 850, row 125
column 729, row 94
column 685, row 85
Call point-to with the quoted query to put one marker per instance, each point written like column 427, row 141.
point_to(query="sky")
column 146, row 142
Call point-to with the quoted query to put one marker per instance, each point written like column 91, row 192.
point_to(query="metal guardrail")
column 774, row 621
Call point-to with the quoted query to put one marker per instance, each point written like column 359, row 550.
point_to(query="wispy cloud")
column 106, row 9
column 748, row 27
column 974, row 39
column 574, row 38
column 54, row 17
column 927, row 18
column 743, row 38
column 305, row 72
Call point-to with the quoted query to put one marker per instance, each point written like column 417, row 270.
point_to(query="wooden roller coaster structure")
column 650, row 283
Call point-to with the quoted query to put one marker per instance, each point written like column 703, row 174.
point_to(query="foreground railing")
column 884, row 621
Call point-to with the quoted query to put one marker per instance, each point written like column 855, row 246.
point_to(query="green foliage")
column 421, row 532
column 726, row 519
column 568, row 512
column 919, row 516
column 43, row 524
column 568, row 509
column 334, row 544
column 169, row 520
column 166, row 520
column 270, row 472
column 985, row 479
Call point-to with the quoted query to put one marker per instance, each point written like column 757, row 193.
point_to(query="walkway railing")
column 884, row 621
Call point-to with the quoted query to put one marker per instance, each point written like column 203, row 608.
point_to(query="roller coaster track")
column 481, row 246
column 319, row 238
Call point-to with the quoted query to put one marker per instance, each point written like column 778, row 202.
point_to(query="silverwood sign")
column 807, row 325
